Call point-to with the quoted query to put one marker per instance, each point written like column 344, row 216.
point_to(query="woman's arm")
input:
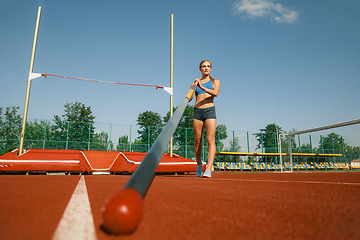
column 214, row 92
column 193, row 93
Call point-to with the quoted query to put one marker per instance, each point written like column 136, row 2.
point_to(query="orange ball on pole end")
column 122, row 212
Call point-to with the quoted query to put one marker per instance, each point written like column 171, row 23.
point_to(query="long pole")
column 123, row 211
column 29, row 82
column 171, row 76
column 143, row 176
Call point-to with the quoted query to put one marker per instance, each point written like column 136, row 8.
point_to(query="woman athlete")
column 204, row 115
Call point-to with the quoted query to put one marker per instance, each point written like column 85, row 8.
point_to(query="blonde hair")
column 212, row 79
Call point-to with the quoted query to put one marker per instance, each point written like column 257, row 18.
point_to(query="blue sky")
column 293, row 63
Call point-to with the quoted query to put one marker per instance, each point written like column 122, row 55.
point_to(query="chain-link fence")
column 51, row 134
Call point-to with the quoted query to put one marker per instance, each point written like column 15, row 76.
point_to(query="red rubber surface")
column 55, row 160
column 316, row 205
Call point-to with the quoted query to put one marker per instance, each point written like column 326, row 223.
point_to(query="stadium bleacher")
column 261, row 166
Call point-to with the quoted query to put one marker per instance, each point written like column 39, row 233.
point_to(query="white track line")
column 271, row 181
column 286, row 181
column 77, row 221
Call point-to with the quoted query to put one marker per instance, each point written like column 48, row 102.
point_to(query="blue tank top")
column 207, row 85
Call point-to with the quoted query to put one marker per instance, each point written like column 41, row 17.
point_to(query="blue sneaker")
column 207, row 173
column 198, row 170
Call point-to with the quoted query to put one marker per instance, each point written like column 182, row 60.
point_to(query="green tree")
column 234, row 145
column 267, row 138
column 351, row 153
column 221, row 134
column 285, row 143
column 10, row 129
column 123, row 144
column 150, row 127
column 138, row 146
column 186, row 120
column 306, row 148
column 35, row 133
column 332, row 143
column 100, row 141
column 76, row 127
column 184, row 130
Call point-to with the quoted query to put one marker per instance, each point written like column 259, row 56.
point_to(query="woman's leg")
column 198, row 127
column 210, row 125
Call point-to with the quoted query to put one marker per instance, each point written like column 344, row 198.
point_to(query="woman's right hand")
column 192, row 84
column 196, row 81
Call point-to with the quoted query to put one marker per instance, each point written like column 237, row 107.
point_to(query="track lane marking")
column 288, row 181
column 77, row 221
column 268, row 180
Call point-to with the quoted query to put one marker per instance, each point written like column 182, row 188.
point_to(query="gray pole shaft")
column 144, row 175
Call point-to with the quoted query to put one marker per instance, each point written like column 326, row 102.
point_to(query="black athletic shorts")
column 204, row 113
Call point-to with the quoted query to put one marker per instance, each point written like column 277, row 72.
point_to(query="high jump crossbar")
column 167, row 89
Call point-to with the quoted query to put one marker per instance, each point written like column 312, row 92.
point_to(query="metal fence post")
column 67, row 136
column 203, row 147
column 290, row 152
column 233, row 141
column 322, row 145
column 110, row 145
column 248, row 142
column 148, row 142
column 342, row 147
column 186, row 147
column 89, row 137
column 130, row 139
column 332, row 144
column 275, row 142
column 219, row 147
column 45, row 134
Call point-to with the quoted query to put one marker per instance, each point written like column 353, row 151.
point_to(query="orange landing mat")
column 49, row 160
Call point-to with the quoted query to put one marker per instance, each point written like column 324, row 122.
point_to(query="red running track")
column 316, row 205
